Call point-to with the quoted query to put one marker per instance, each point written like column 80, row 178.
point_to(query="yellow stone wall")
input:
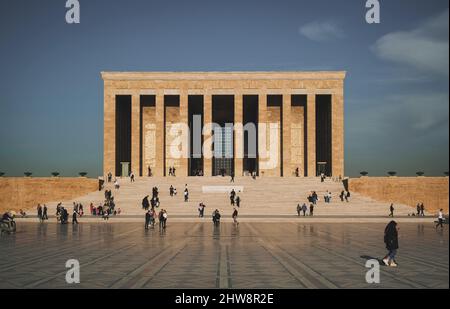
column 273, row 116
column 172, row 119
column 432, row 191
column 148, row 139
column 297, row 139
column 26, row 192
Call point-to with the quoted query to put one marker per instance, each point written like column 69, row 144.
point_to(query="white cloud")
column 425, row 48
column 322, row 31
column 406, row 115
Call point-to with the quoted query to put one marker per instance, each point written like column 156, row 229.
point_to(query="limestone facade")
column 150, row 125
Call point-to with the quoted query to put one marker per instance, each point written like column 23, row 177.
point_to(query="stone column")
column 286, row 133
column 184, row 120
column 262, row 120
column 109, row 132
column 337, row 129
column 238, row 134
column 135, row 132
column 207, row 116
column 311, row 131
column 160, row 134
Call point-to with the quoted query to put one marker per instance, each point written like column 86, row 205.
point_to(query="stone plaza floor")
column 198, row 255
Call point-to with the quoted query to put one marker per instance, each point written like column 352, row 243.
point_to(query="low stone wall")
column 26, row 192
column 431, row 191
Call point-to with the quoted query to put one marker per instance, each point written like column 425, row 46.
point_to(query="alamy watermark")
column 226, row 141
column 73, row 12
column 73, row 274
column 373, row 12
column 373, row 274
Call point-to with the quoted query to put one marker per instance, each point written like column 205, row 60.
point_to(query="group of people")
column 172, row 171
column 154, row 202
column 313, row 198
column 216, row 217
column 235, row 200
column 172, row 191
column 198, row 172
column 7, row 223
column 420, row 209
column 345, row 195
column 201, row 210
column 62, row 215
column 150, row 218
column 327, row 197
column 42, row 212
column 303, row 209
column 116, row 181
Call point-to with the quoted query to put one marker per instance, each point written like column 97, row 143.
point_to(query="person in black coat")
column 74, row 217
column 147, row 219
column 145, row 203
column 391, row 209
column 391, row 241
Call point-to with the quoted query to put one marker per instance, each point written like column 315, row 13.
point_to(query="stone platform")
column 263, row 198
column 197, row 255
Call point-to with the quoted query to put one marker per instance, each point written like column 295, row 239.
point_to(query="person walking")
column 234, row 216
column 304, row 209
column 418, row 209
column 186, row 194
column 145, row 203
column 147, row 219
column 162, row 219
column 422, row 210
column 391, row 209
column 44, row 213
column 391, row 242
column 39, row 212
column 232, row 177
column 347, row 196
column 232, row 195
column 299, row 209
column 74, row 217
column 440, row 219
column 216, row 217
column 238, row 201
column 311, row 210
column 105, row 211
column 201, row 210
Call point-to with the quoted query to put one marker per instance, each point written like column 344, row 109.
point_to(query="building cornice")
column 257, row 75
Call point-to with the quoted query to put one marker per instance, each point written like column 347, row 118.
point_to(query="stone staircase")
column 260, row 198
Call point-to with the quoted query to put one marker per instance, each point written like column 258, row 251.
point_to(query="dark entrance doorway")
column 223, row 150
column 250, row 119
column 123, row 132
column 323, row 134
column 195, row 114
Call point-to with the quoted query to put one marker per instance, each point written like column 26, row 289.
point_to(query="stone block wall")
column 432, row 191
column 26, row 192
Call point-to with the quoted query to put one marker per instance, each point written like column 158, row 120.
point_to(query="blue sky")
column 396, row 93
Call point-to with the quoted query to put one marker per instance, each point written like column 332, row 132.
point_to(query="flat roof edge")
column 204, row 75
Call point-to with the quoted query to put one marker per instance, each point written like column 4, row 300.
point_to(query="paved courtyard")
column 197, row 255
